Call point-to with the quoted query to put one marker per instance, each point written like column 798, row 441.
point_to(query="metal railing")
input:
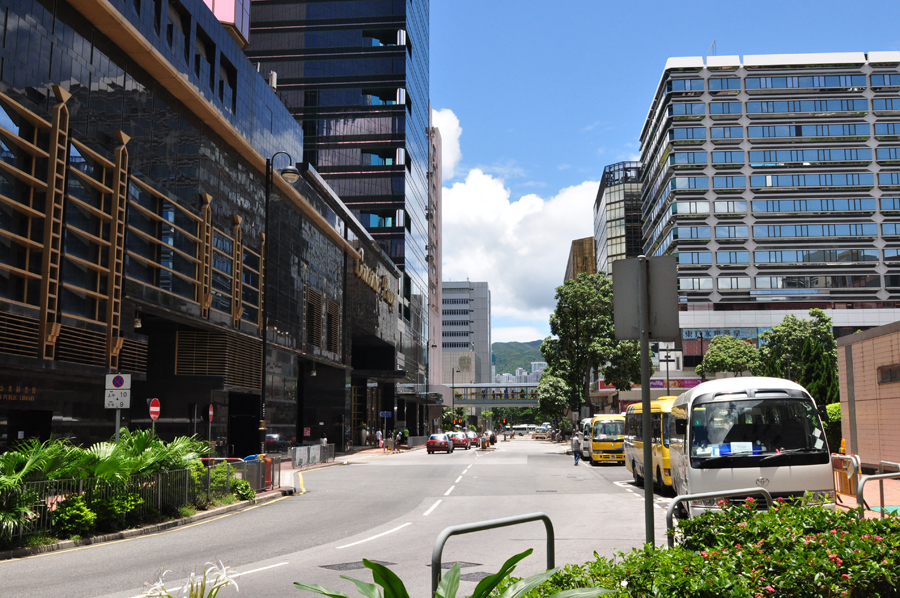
column 719, row 494
column 167, row 490
column 414, row 441
column 302, row 456
column 481, row 526
column 880, row 476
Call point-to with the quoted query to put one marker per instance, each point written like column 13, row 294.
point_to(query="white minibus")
column 751, row 432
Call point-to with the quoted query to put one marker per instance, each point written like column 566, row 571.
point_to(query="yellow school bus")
column 660, row 469
column 603, row 436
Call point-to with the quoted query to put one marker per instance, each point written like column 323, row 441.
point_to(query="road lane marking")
column 302, row 487
column 240, row 573
column 447, row 493
column 464, row 471
column 457, row 480
column 467, row 469
column 433, row 507
column 373, row 537
column 235, row 576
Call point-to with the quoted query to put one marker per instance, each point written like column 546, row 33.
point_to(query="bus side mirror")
column 680, row 426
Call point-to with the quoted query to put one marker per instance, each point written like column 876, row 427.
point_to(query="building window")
column 332, row 327
column 314, row 318
column 729, row 182
column 731, row 232
column 731, row 207
column 733, row 283
column 725, row 108
column 732, row 257
column 695, row 284
column 726, row 132
column 689, row 258
column 724, row 83
column 888, row 374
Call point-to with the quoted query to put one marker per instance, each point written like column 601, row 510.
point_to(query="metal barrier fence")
column 670, row 512
column 486, row 525
column 846, row 470
column 880, row 476
column 164, row 491
column 311, row 454
column 414, row 441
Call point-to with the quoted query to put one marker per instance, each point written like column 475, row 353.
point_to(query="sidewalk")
column 873, row 498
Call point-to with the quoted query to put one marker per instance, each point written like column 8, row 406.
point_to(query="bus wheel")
column 594, row 463
column 638, row 480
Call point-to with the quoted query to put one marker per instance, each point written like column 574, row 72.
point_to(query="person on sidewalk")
column 397, row 440
column 576, row 446
column 378, row 439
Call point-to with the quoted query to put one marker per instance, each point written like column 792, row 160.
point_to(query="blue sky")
column 540, row 96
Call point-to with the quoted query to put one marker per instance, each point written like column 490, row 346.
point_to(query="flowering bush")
column 795, row 550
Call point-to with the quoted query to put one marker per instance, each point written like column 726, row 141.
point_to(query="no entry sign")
column 154, row 409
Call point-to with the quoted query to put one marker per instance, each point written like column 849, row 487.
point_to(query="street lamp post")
column 291, row 175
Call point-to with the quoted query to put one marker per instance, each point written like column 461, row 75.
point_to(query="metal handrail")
column 718, row 494
column 481, row 526
column 879, row 477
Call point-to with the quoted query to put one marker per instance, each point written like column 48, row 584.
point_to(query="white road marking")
column 236, row 575
column 260, row 569
column 447, row 493
column 467, row 468
column 433, row 507
column 464, row 471
column 458, row 479
column 375, row 536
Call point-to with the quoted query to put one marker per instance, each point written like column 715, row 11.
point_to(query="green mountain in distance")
column 509, row 356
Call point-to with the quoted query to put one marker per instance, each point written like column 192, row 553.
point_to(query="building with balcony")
column 355, row 76
column 775, row 181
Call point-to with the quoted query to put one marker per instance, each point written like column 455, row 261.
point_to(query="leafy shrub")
column 449, row 585
column 72, row 517
column 833, row 427
column 242, row 489
column 796, row 550
column 112, row 512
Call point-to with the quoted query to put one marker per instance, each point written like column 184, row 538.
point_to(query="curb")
column 142, row 531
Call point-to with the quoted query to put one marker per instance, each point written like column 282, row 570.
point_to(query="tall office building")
column 355, row 74
column 617, row 215
column 776, row 182
column 466, row 332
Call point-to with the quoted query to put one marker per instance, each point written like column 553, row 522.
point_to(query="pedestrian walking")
column 378, row 439
column 397, row 439
column 576, row 446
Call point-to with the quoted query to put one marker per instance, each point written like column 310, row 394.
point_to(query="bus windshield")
column 723, row 430
column 610, row 429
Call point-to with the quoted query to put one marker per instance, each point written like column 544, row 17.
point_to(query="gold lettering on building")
column 379, row 284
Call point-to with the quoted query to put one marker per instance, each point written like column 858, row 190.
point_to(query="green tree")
column 451, row 413
column 818, row 377
column 727, row 354
column 781, row 348
column 582, row 339
column 553, row 396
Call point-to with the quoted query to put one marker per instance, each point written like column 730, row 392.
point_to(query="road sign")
column 662, row 308
column 117, row 399
column 386, row 414
column 154, row 409
column 210, row 412
column 307, row 431
column 118, row 382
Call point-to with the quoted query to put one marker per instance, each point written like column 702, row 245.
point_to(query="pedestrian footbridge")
column 507, row 394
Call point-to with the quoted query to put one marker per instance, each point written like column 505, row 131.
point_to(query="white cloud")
column 520, row 334
column 520, row 248
column 448, row 124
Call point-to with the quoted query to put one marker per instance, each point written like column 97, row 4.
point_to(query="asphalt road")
column 388, row 508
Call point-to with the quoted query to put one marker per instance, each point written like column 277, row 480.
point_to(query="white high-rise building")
column 466, row 332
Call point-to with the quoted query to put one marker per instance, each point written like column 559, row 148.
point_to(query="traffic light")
column 504, row 420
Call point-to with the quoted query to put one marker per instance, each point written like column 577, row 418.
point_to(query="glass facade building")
column 617, row 215
column 355, row 74
column 775, row 181
column 133, row 146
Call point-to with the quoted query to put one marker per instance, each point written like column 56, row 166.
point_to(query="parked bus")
column 603, row 437
column 659, row 437
column 749, row 432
